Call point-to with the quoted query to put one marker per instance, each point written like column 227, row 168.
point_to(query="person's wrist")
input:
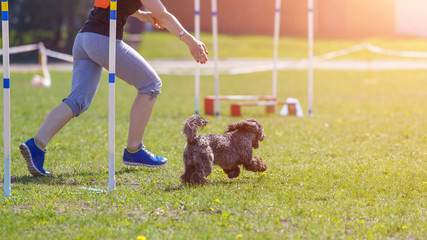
column 181, row 34
column 187, row 38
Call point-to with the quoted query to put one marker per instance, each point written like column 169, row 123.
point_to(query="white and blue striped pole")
column 6, row 94
column 310, row 57
column 215, row 48
column 276, row 46
column 111, row 96
column 197, row 69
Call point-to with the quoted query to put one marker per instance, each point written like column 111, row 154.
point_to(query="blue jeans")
column 90, row 52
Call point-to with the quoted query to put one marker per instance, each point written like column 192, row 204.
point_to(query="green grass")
column 357, row 169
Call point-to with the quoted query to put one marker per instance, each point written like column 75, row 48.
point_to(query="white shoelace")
column 148, row 152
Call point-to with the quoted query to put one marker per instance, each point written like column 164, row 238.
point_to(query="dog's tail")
column 191, row 125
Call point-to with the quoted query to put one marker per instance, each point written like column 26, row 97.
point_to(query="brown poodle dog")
column 228, row 150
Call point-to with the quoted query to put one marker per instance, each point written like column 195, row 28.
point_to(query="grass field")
column 357, row 169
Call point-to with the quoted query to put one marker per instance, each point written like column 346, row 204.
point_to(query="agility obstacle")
column 235, row 108
column 310, row 56
column 212, row 103
column 111, row 96
column 210, row 100
column 214, row 9
column 6, row 95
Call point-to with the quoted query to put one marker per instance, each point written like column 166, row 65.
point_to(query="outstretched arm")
column 165, row 19
column 145, row 16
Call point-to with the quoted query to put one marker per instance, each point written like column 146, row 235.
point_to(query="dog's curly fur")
column 228, row 150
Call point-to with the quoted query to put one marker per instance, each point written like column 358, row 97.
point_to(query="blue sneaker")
column 34, row 156
column 142, row 157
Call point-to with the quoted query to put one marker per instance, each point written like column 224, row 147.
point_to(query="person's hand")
column 198, row 51
column 156, row 23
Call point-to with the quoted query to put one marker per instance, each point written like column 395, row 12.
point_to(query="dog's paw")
column 232, row 173
column 256, row 165
column 194, row 178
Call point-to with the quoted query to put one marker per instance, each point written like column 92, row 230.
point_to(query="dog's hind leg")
column 255, row 165
column 233, row 173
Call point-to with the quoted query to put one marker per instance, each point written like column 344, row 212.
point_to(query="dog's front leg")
column 255, row 165
column 203, row 168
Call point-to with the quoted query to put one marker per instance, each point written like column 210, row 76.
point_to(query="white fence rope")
column 342, row 52
column 371, row 48
column 40, row 47
column 22, row 49
column 408, row 54
column 44, row 80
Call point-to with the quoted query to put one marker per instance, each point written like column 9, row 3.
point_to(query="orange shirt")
column 102, row 3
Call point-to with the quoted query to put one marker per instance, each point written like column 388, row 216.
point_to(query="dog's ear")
column 260, row 129
column 241, row 126
column 250, row 125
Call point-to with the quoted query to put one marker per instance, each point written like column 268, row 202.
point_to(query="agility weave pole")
column 214, row 7
column 197, row 69
column 310, row 56
column 111, row 96
column 6, row 95
column 276, row 45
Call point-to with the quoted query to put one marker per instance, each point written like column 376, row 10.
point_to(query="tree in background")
column 53, row 22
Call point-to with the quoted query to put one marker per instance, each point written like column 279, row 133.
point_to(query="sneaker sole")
column 142, row 164
column 30, row 165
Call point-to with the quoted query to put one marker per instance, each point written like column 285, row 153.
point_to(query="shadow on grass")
column 229, row 181
column 70, row 178
column 222, row 182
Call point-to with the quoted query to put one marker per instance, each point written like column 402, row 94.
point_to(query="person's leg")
column 135, row 153
column 133, row 69
column 85, row 81
column 139, row 115
column 55, row 120
column 33, row 149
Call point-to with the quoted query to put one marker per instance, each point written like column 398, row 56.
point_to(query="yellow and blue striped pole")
column 111, row 96
column 6, row 94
